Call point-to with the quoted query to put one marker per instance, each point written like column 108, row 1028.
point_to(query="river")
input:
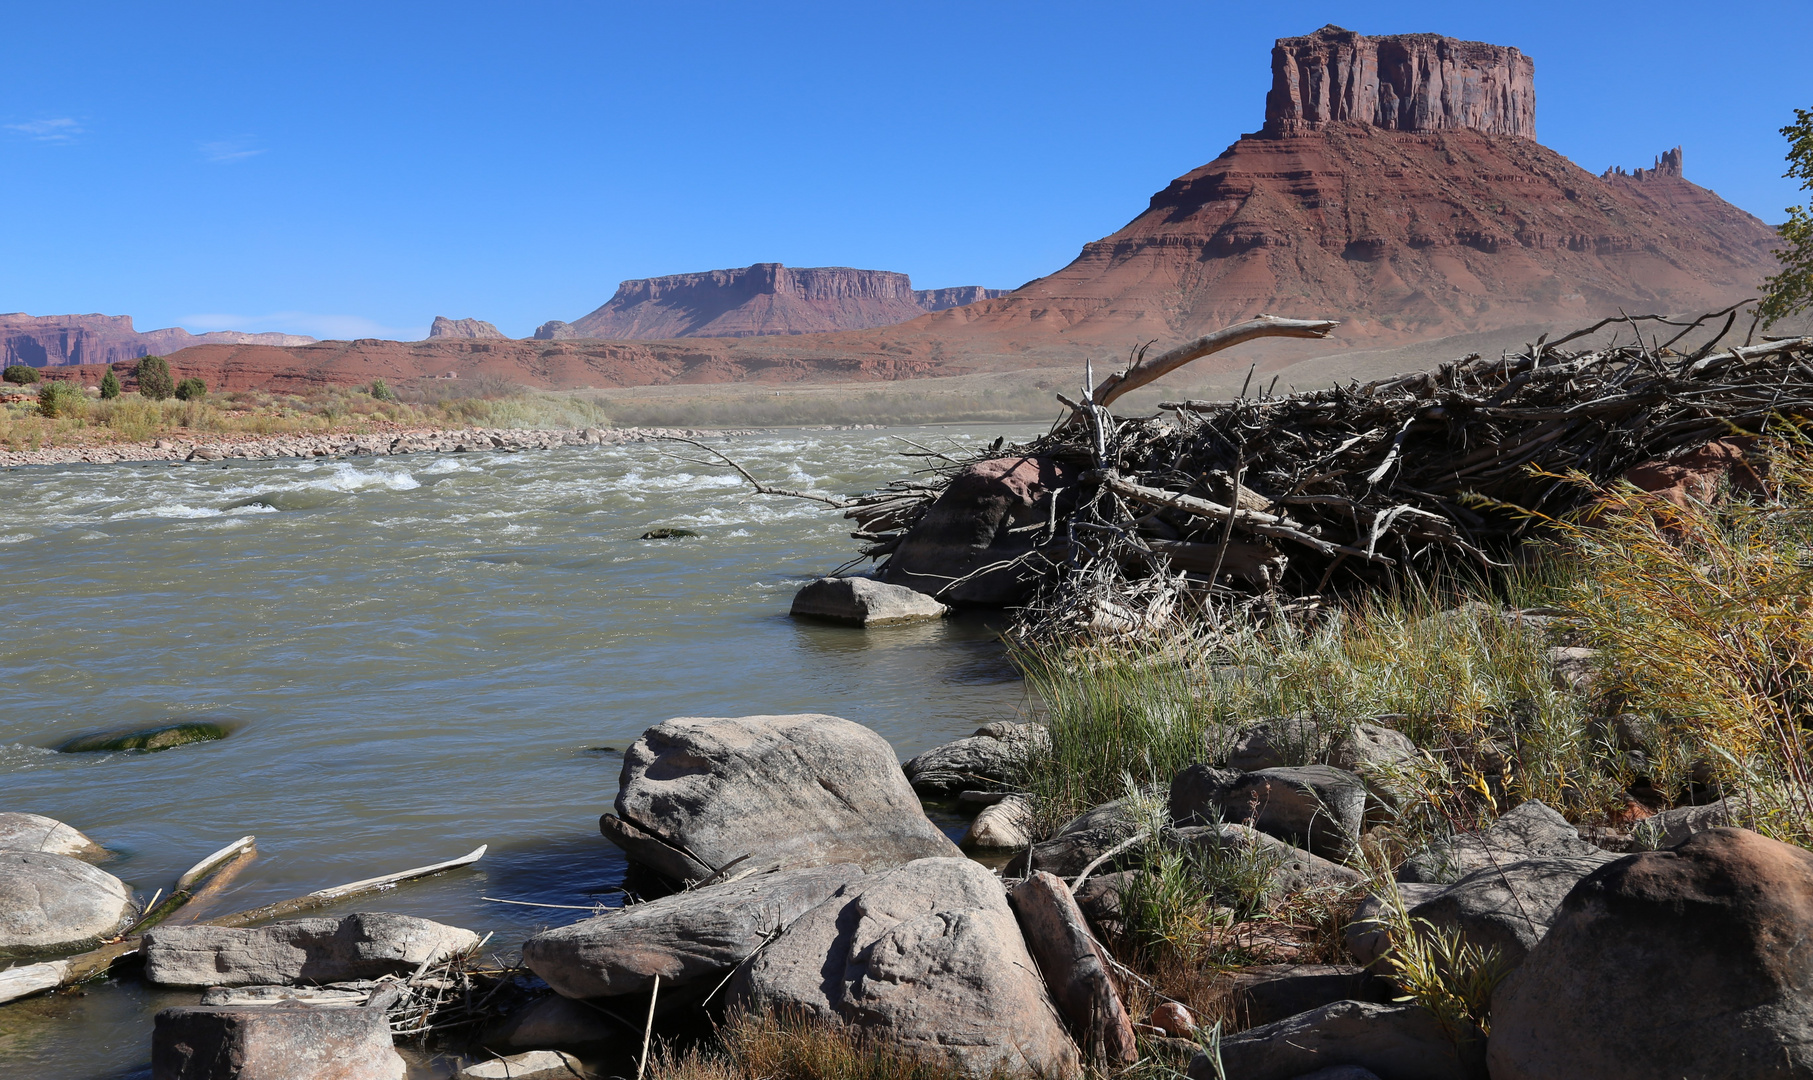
column 417, row 655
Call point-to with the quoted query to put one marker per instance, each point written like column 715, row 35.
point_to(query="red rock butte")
column 1396, row 184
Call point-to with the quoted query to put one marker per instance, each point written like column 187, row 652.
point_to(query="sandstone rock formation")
column 766, row 298
column 469, row 329
column 56, row 340
column 359, row 946
column 295, row 1042
column 698, row 793
column 1405, row 82
column 555, row 330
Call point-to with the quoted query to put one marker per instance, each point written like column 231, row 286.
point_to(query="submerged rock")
column 58, row 904
column 365, row 945
column 35, row 832
column 1004, row 826
column 667, row 534
column 929, row 958
column 864, row 602
column 794, row 791
column 147, row 739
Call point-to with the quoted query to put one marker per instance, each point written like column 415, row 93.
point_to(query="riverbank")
column 380, row 440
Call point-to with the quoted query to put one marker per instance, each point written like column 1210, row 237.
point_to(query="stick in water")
column 648, row 1028
column 338, row 892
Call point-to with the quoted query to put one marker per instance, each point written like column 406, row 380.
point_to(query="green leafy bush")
column 62, row 399
column 382, row 391
column 191, row 389
column 154, row 380
column 20, row 374
column 110, row 386
column 1791, row 291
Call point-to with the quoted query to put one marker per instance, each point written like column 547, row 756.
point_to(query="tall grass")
column 769, row 1046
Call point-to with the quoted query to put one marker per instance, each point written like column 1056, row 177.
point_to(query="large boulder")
column 989, row 758
column 1369, row 931
column 1530, row 831
column 1508, row 907
column 1075, row 968
column 58, row 904
column 365, row 945
column 683, row 938
column 35, row 832
column 1293, row 870
column 1317, row 806
column 1004, row 826
column 698, row 793
column 1403, row 1042
column 274, row 1042
column 1696, row 961
column 864, row 602
column 929, row 958
column 979, row 521
column 1080, row 842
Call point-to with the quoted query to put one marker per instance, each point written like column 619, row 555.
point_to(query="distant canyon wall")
column 56, row 340
column 1402, row 82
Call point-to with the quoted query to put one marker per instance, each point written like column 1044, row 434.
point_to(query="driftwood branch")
column 760, row 488
column 1146, row 370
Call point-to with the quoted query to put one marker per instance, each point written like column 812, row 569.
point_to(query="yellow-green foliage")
column 1703, row 615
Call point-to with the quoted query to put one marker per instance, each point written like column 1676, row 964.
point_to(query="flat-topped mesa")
column 1401, row 82
column 1667, row 167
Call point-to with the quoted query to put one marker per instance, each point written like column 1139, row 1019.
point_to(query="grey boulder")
column 1510, row 907
column 1079, row 842
column 534, row 1065
column 927, row 957
column 992, row 756
column 365, row 945
column 1279, row 742
column 1293, row 869
column 273, row 1042
column 1690, row 962
column 683, row 938
column 1268, row 993
column 864, row 602
column 1369, row 932
column 1075, row 968
column 1403, row 1042
column 697, row 793
column 1670, row 827
column 1318, row 806
column 1003, row 826
column 58, row 904
column 35, row 832
column 1531, row 830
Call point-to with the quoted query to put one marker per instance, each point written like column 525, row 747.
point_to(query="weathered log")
column 1147, row 370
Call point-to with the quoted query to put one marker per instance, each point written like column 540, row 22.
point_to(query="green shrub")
column 382, row 391
column 191, row 389
column 154, row 379
column 110, row 386
column 20, row 374
column 62, row 399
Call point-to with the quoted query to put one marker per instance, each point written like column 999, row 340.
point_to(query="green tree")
column 20, row 374
column 1791, row 291
column 62, row 399
column 191, row 389
column 110, row 386
column 154, row 379
column 382, row 391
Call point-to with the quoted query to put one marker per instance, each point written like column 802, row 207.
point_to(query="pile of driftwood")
column 1311, row 493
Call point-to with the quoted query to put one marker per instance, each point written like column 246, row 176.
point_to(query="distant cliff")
column 1403, row 82
column 54, row 340
column 471, row 329
column 763, row 299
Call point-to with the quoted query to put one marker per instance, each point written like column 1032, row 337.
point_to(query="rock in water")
column 1005, row 826
column 534, row 1065
column 991, row 756
column 693, row 935
column 365, row 945
column 976, row 522
column 864, row 602
column 1403, row 1042
column 58, row 904
column 1075, row 968
column 273, row 1042
column 35, row 832
column 148, row 739
column 792, row 791
column 926, row 957
column 1696, row 961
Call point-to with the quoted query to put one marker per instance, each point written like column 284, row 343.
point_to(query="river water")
column 417, row 655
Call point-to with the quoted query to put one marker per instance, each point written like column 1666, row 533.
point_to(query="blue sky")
column 356, row 169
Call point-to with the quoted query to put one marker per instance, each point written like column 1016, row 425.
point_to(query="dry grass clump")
column 769, row 1046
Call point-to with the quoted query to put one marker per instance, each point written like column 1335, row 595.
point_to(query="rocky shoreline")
column 348, row 444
